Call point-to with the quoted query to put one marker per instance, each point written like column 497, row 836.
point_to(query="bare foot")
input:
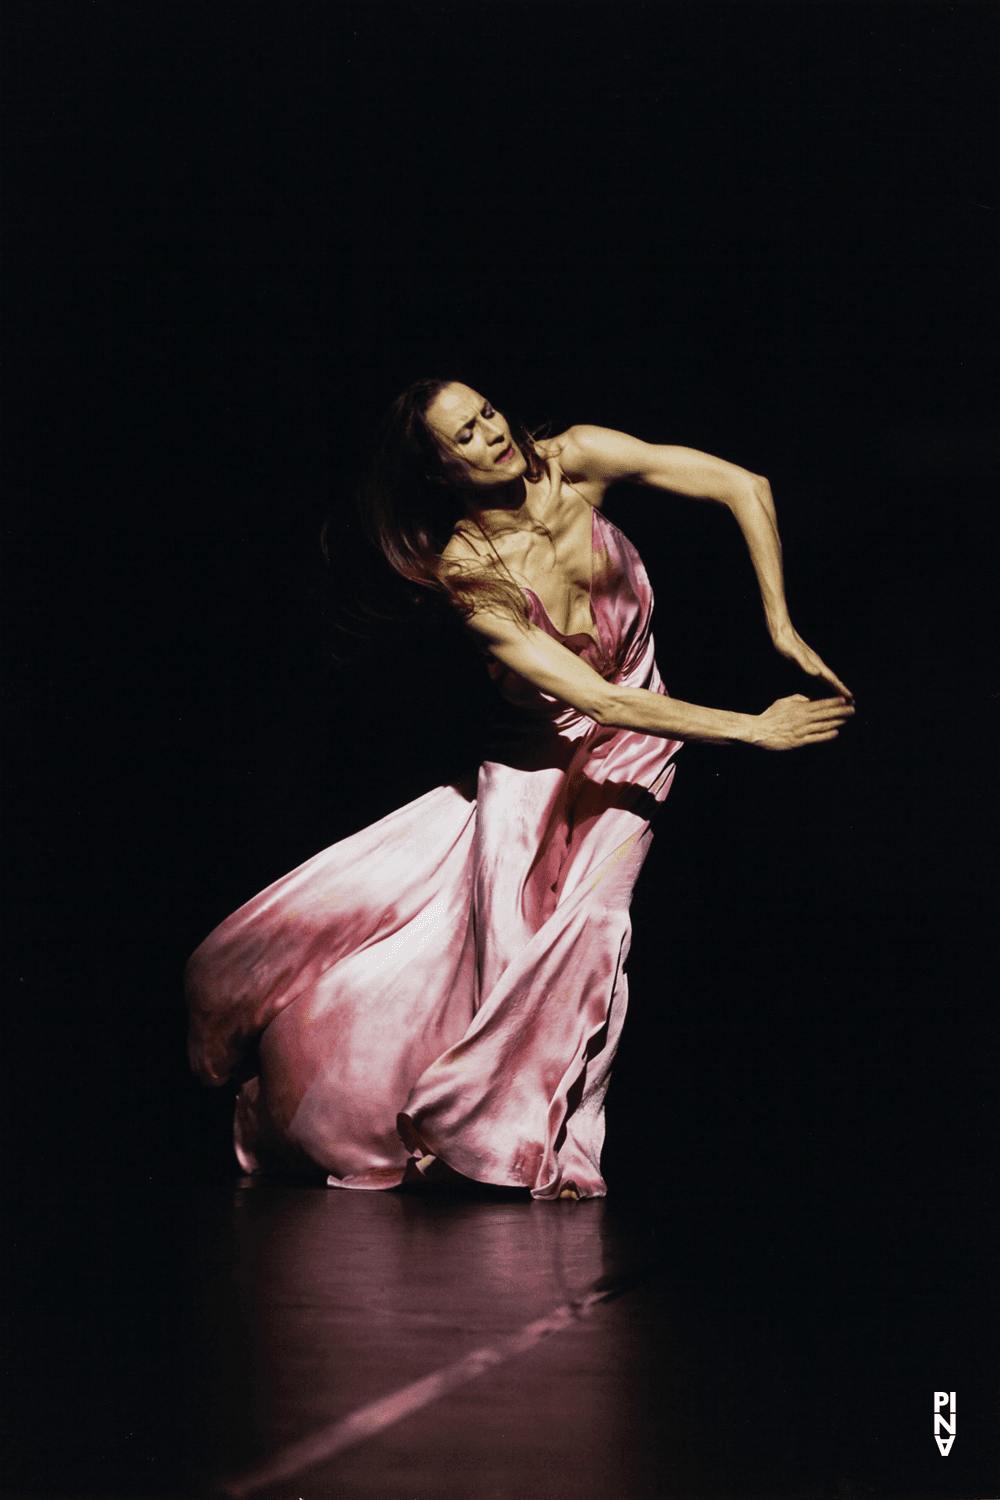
column 570, row 1193
column 431, row 1172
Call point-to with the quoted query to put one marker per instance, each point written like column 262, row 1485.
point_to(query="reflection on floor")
column 343, row 1304
column 180, row 1339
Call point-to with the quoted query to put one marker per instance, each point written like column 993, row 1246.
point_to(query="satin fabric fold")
column 451, row 980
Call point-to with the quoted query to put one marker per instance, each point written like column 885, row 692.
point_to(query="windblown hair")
column 412, row 504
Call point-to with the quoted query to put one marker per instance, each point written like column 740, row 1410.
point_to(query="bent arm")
column 601, row 455
column 557, row 671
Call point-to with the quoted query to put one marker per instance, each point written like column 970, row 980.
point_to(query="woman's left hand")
column 790, row 644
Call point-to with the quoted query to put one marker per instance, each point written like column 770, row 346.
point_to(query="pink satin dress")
column 450, row 981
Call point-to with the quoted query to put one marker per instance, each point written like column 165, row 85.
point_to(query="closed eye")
column 465, row 436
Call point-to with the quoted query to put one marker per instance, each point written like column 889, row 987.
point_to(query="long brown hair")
column 411, row 503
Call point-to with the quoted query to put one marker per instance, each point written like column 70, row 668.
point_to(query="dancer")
column 443, row 992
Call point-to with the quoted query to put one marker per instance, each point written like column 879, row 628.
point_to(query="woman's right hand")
column 792, row 722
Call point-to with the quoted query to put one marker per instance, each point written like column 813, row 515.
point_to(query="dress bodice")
column 621, row 601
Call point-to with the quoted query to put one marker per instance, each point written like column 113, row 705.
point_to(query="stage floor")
column 246, row 1338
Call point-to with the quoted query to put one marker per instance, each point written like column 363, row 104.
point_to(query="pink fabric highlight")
column 450, row 980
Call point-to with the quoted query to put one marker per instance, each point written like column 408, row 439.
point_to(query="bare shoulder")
column 464, row 552
column 593, row 457
column 565, row 448
column 551, row 447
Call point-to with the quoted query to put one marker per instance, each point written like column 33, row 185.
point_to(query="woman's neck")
column 510, row 503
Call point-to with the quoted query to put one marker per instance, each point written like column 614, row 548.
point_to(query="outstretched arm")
column 600, row 456
column 786, row 725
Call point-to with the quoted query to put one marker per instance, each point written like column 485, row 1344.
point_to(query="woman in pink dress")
column 443, row 992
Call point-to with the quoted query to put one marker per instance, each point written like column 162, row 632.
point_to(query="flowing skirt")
column 448, row 981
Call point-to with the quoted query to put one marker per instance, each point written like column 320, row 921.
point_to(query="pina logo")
column 945, row 1419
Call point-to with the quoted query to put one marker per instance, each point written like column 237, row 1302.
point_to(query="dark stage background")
column 763, row 230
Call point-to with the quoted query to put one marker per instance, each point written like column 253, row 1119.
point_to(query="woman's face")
column 470, row 432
